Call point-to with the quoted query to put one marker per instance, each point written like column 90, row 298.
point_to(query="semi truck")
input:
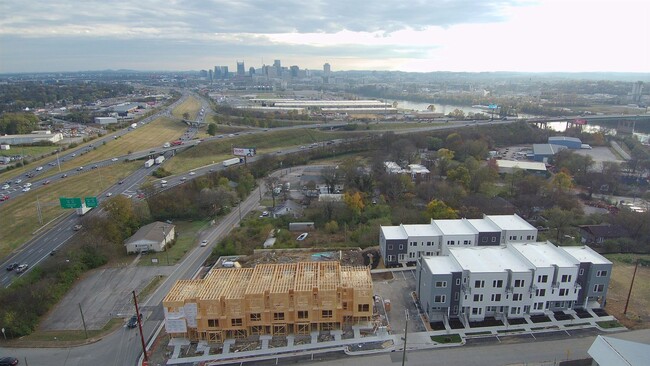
column 148, row 163
column 159, row 159
column 232, row 161
column 83, row 209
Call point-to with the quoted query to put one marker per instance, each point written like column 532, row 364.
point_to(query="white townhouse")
column 404, row 244
column 510, row 281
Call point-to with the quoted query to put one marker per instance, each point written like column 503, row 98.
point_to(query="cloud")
column 192, row 19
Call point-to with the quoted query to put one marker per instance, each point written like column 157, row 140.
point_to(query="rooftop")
column 151, row 232
column 421, row 230
column 455, row 227
column 488, row 259
column 586, row 254
column 510, row 222
column 544, row 254
column 442, row 265
column 483, row 225
column 525, row 165
column 394, row 232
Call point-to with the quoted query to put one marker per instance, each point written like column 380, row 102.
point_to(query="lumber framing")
column 274, row 299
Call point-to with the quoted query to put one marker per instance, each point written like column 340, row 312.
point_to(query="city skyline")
column 465, row 35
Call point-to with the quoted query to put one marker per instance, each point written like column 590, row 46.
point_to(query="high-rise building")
column 277, row 65
column 327, row 69
column 224, row 72
column 217, row 73
column 203, row 73
column 251, row 71
column 294, row 71
column 210, row 75
column 637, row 89
column 241, row 70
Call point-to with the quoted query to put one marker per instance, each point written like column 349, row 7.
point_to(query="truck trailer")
column 159, row 159
column 83, row 209
column 232, row 161
column 148, row 163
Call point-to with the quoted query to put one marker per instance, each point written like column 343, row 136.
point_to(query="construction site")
column 300, row 300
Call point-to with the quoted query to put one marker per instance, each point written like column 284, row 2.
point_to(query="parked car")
column 302, row 236
column 8, row 361
column 22, row 268
column 12, row 266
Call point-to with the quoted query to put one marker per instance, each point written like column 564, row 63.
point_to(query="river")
column 443, row 108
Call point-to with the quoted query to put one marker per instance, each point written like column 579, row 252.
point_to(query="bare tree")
column 330, row 177
column 271, row 183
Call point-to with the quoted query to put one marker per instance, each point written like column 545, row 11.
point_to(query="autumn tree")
column 439, row 210
column 460, row 175
column 354, row 202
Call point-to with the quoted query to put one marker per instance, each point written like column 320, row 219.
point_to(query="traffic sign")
column 74, row 202
column 91, row 201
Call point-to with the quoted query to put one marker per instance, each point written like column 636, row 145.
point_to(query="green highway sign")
column 74, row 202
column 91, row 201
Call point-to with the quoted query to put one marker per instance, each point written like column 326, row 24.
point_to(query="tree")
column 186, row 115
column 271, row 183
column 330, row 177
column 559, row 220
column 456, row 114
column 445, row 156
column 562, row 181
column 460, row 175
column 439, row 210
column 212, row 129
column 354, row 202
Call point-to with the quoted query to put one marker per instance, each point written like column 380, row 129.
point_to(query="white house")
column 153, row 237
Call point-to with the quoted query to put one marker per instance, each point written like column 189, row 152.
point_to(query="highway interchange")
column 120, row 346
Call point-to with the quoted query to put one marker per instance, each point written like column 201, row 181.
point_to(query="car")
column 210, row 170
column 77, row 227
column 4, row 198
column 109, row 194
column 39, row 168
column 80, row 168
column 46, row 182
column 22, row 268
column 120, row 182
column 192, row 173
column 163, row 182
column 302, row 236
column 265, row 213
column 64, row 176
column 140, row 196
column 73, row 155
column 18, row 181
column 8, row 361
column 26, row 189
column 94, row 167
column 5, row 186
column 114, row 159
column 133, row 322
column 204, row 243
column 27, row 185
column 51, row 163
column 184, row 178
column 53, row 252
column 12, row 266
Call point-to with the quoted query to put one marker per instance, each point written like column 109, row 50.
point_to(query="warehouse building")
column 511, row 281
column 569, row 142
column 105, row 120
column 32, row 138
column 271, row 299
column 543, row 152
column 532, row 167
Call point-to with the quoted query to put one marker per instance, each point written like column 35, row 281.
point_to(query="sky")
column 414, row 35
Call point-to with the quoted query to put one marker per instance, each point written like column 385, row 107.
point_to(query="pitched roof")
column 151, row 232
column 605, row 231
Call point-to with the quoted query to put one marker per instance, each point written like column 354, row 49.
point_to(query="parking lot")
column 398, row 291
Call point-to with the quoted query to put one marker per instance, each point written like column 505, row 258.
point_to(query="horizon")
column 473, row 36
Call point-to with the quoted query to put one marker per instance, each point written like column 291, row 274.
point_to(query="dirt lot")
column 638, row 312
column 347, row 256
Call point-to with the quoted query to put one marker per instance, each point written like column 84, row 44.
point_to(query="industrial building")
column 569, row 142
column 404, row 244
column 270, row 299
column 32, row 138
column 542, row 152
column 511, row 281
column 510, row 166
column 105, row 120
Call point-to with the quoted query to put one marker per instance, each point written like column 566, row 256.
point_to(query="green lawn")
column 266, row 142
column 191, row 106
column 23, row 213
column 31, row 151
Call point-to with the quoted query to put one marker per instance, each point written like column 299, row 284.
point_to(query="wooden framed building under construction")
column 273, row 299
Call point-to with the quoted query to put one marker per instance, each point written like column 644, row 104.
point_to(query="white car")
column 302, row 236
column 114, row 159
column 192, row 173
column 109, row 194
column 26, row 189
column 39, row 168
column 163, row 182
column 6, row 186
column 27, row 185
column 204, row 243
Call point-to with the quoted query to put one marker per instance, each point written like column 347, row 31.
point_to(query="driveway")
column 398, row 291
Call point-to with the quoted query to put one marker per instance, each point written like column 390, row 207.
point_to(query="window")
column 494, row 239
column 599, row 288
column 213, row 323
column 456, row 296
column 542, row 278
column 519, row 283
column 256, row 317
column 478, row 297
column 401, row 247
column 440, row 298
column 465, row 242
column 497, row 283
column 345, row 305
column 566, row 278
column 458, row 282
column 517, row 297
column 236, row 322
column 455, row 309
column 484, row 239
column 304, row 314
column 564, row 292
column 477, row 311
column 278, row 316
column 529, row 237
column 513, row 237
column 326, row 314
column 496, row 297
column 390, row 258
column 364, row 307
column 581, row 272
column 515, row 310
column 442, row 284
column 428, row 243
column 601, row 274
column 540, row 292
column 450, row 242
column 479, row 283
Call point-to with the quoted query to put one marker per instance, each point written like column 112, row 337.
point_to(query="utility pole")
column 627, row 302
column 83, row 321
column 406, row 331
column 165, row 243
column 137, row 315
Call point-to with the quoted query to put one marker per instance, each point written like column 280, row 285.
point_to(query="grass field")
column 32, row 151
column 266, row 142
column 191, row 106
column 22, row 211
column 638, row 312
